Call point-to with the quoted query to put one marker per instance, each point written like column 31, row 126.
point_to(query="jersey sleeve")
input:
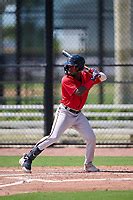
column 69, row 86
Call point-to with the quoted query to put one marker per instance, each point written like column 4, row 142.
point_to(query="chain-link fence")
column 99, row 30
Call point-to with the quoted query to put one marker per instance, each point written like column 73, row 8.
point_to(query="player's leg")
column 83, row 127
column 61, row 122
column 27, row 159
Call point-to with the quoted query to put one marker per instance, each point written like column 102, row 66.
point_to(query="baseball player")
column 76, row 84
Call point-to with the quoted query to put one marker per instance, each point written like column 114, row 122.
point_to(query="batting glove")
column 95, row 74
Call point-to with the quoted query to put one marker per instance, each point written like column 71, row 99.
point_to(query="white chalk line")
column 81, row 180
column 57, row 173
column 12, row 184
column 10, row 170
column 26, row 178
column 12, row 175
column 76, row 180
column 64, row 181
column 45, row 173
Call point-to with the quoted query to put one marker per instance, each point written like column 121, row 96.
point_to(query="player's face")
column 73, row 70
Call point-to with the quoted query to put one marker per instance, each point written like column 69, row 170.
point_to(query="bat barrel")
column 65, row 53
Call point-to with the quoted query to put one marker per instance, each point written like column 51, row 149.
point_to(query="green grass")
column 12, row 161
column 95, row 195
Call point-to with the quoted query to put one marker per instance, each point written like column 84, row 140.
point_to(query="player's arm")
column 102, row 77
column 96, row 75
column 96, row 78
column 79, row 91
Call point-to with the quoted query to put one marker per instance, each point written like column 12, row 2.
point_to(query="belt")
column 71, row 110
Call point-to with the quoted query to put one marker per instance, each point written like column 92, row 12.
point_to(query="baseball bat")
column 65, row 53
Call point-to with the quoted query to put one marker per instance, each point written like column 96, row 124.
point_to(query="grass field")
column 96, row 195
column 12, row 161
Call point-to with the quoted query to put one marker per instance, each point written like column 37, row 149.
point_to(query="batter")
column 76, row 83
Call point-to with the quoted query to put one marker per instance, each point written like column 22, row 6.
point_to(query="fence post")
column 18, row 50
column 123, row 48
column 101, row 44
column 48, row 99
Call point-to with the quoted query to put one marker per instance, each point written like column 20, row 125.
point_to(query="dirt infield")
column 13, row 180
column 69, row 151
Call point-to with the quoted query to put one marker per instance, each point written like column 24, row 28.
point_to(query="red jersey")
column 70, row 85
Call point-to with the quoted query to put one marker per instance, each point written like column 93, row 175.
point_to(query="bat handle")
column 65, row 53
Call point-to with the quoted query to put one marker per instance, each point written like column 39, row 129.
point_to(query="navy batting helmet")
column 74, row 60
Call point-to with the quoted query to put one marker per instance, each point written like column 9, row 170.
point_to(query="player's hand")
column 95, row 74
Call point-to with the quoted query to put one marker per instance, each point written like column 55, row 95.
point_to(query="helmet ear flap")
column 66, row 68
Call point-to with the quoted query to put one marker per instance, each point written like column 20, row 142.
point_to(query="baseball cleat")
column 25, row 163
column 90, row 168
